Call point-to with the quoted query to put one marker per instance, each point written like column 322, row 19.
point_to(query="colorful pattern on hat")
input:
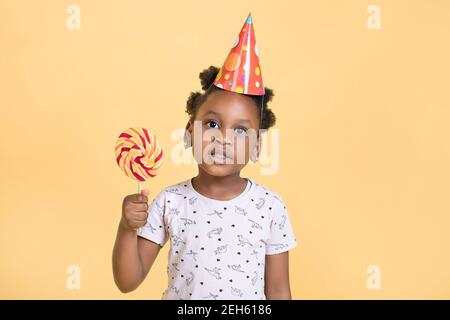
column 241, row 72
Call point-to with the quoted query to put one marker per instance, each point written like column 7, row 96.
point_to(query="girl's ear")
column 187, row 138
column 254, row 156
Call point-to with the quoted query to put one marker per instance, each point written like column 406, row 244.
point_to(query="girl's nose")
column 223, row 139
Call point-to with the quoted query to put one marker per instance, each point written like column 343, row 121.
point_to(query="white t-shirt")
column 218, row 248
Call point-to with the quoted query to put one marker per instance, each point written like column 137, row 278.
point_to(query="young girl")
column 229, row 235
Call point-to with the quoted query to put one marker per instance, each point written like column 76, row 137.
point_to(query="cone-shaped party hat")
column 241, row 72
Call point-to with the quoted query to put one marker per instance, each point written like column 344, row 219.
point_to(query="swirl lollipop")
column 139, row 154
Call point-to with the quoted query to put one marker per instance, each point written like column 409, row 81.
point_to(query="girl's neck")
column 219, row 188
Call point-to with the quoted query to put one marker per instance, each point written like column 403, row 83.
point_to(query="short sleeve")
column 155, row 229
column 282, row 237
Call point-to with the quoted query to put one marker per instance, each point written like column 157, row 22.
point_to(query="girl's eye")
column 241, row 131
column 212, row 124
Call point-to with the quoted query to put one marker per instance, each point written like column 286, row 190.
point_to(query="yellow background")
column 363, row 116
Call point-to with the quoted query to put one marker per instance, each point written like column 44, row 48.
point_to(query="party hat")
column 241, row 71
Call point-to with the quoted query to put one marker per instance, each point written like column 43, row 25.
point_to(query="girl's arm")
column 133, row 256
column 277, row 277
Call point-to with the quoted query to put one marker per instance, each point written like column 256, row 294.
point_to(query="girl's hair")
column 207, row 77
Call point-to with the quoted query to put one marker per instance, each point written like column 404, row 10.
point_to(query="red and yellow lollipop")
column 139, row 154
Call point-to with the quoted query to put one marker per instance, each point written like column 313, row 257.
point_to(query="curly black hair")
column 207, row 77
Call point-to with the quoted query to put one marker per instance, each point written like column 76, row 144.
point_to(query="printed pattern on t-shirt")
column 218, row 248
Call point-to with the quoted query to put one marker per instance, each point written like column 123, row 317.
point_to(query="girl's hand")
column 134, row 210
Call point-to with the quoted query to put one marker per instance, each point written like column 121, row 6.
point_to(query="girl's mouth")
column 220, row 157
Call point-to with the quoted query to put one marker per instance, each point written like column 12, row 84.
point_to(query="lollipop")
column 139, row 154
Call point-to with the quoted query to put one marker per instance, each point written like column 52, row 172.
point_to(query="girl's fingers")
column 137, row 223
column 145, row 192
column 139, row 198
column 140, row 215
column 139, row 207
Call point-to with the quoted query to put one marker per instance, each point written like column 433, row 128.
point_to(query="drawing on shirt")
column 283, row 222
column 193, row 254
column 211, row 296
column 188, row 221
column 192, row 200
column 214, row 272
column 255, row 277
column 254, row 253
column 243, row 241
column 221, row 249
column 260, row 203
column 279, row 200
column 174, row 211
column 148, row 225
column 236, row 292
column 160, row 207
column 175, row 289
column 278, row 246
column 219, row 214
column 174, row 191
column 176, row 240
column 216, row 231
column 190, row 278
column 175, row 265
column 239, row 210
column 236, row 267
column 255, row 225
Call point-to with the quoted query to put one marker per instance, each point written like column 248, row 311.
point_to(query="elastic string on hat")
column 261, row 113
column 207, row 90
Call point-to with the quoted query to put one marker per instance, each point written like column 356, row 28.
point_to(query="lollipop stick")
column 139, row 187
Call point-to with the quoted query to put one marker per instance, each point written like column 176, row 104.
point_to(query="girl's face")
column 226, row 128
